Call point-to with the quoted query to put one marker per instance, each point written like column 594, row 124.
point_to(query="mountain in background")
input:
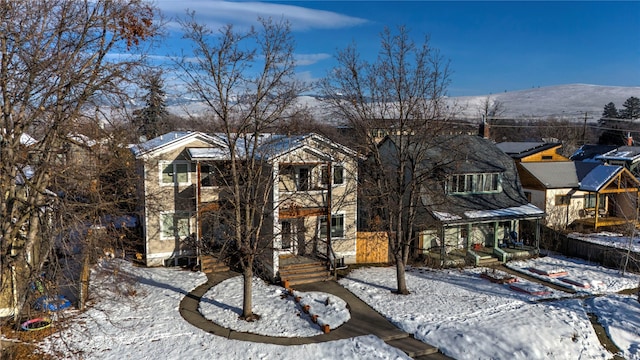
column 569, row 102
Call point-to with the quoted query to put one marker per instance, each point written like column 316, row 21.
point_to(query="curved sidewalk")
column 364, row 321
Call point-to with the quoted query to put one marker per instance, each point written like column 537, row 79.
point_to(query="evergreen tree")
column 610, row 111
column 150, row 119
column 631, row 108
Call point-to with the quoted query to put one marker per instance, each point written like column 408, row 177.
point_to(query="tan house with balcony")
column 183, row 190
column 586, row 195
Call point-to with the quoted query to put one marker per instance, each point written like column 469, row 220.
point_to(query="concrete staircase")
column 211, row 264
column 295, row 271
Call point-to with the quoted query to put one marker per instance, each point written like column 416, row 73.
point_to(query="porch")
column 594, row 223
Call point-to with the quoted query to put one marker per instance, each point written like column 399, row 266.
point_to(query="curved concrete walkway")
column 364, row 321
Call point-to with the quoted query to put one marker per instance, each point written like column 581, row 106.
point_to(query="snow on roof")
column 159, row 142
column 598, row 177
column 443, row 216
column 624, row 153
column 208, row 153
column 518, row 211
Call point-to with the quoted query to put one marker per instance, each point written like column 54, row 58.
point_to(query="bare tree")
column 54, row 70
column 401, row 94
column 246, row 79
column 490, row 108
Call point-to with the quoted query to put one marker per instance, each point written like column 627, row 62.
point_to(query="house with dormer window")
column 472, row 204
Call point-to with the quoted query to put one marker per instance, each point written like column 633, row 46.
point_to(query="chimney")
column 629, row 139
column 484, row 128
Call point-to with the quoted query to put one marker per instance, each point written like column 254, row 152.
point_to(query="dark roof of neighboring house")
column 460, row 154
column 589, row 152
column 518, row 150
column 559, row 174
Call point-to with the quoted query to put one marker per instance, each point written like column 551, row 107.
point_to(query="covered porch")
column 482, row 243
column 612, row 199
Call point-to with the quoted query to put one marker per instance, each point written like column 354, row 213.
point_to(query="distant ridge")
column 569, row 102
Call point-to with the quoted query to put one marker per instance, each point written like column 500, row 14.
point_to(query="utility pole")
column 584, row 129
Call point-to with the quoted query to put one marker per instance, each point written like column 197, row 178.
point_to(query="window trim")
column 322, row 227
column 323, row 174
column 474, row 183
column 164, row 164
column 175, row 215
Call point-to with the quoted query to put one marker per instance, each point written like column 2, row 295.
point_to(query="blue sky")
column 492, row 46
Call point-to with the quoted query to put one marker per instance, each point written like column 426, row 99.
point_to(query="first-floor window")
column 590, row 201
column 174, row 225
column 337, row 226
column 563, row 200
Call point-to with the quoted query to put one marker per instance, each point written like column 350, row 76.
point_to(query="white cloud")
column 310, row 59
column 216, row 13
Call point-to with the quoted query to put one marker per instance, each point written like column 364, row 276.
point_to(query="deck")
column 608, row 221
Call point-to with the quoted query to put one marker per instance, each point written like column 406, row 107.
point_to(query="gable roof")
column 579, row 175
column 555, row 175
column 519, row 150
column 171, row 140
column 597, row 178
column 269, row 146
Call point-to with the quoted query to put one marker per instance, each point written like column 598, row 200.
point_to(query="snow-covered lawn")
column 280, row 314
column 620, row 316
column 148, row 325
column 581, row 276
column 610, row 239
column 135, row 315
column 468, row 317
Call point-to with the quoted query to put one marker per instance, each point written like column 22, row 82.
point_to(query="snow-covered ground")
column 135, row 315
column 610, row 239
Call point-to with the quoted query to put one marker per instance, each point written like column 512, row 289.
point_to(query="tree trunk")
column 400, row 276
column 247, row 276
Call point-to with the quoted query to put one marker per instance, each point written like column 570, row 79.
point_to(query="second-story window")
column 174, row 173
column 302, row 179
column 474, row 183
column 207, row 175
column 337, row 175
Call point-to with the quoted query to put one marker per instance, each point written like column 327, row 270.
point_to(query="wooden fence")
column 372, row 247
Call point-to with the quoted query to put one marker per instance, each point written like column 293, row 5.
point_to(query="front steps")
column 303, row 271
column 210, row 264
column 412, row 347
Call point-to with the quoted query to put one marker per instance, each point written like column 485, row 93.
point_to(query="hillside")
column 570, row 101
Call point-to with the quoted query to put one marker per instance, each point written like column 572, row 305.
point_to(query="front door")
column 289, row 236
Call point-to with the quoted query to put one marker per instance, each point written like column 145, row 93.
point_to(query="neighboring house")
column 583, row 194
column 183, row 191
column 627, row 156
column 532, row 151
column 588, row 152
column 471, row 202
